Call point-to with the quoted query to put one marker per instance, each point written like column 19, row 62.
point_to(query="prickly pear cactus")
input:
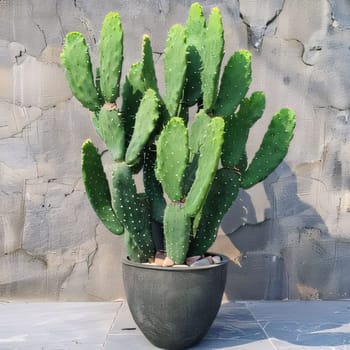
column 206, row 178
column 192, row 169
column 126, row 132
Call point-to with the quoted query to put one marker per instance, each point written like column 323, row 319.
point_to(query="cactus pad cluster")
column 193, row 167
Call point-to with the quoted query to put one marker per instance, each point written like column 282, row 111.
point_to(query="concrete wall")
column 290, row 234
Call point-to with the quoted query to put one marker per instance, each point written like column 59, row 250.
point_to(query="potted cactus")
column 193, row 162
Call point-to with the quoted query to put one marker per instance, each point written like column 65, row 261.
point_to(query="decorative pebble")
column 217, row 259
column 159, row 258
column 191, row 259
column 203, row 262
column 168, row 262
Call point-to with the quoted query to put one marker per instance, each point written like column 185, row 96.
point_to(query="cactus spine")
column 192, row 172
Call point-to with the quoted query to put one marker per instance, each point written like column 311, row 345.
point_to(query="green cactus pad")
column 237, row 130
column 76, row 61
column 153, row 187
column 111, row 56
column 190, row 174
column 141, row 76
column 184, row 113
column 213, row 53
column 251, row 109
column 196, row 137
column 132, row 93
column 95, row 123
column 97, row 188
column 132, row 249
column 98, row 86
column 273, row 148
column 172, row 157
column 210, row 152
column 175, row 63
column 220, row 198
column 131, row 208
column 145, row 122
column 136, row 77
column 112, row 132
column 177, row 228
column 241, row 166
column 235, row 82
column 195, row 34
column 195, row 27
column 197, row 132
column 148, row 71
column 131, row 99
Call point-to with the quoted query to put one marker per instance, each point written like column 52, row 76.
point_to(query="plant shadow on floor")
column 236, row 325
column 289, row 255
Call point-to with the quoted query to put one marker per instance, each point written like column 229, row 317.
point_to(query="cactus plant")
column 192, row 170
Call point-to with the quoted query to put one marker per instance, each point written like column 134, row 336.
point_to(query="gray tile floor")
column 274, row 325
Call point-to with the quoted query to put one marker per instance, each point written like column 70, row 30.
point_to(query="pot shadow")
column 287, row 253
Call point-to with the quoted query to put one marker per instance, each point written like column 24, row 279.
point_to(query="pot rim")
column 224, row 260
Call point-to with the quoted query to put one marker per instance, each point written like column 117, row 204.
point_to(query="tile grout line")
column 262, row 328
column 113, row 322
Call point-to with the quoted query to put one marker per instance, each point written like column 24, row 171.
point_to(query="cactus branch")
column 97, row 188
column 111, row 56
column 175, row 62
column 209, row 157
column 145, row 123
column 77, row 63
column 235, row 83
column 273, row 148
column 177, row 227
column 172, row 158
column 212, row 55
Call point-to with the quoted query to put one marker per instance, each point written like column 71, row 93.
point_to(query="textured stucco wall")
column 290, row 234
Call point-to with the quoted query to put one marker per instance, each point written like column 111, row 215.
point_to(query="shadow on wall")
column 287, row 255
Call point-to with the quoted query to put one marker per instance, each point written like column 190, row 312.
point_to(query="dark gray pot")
column 174, row 307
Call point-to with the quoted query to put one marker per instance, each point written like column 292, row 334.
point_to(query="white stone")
column 217, row 259
column 203, row 262
column 180, row 266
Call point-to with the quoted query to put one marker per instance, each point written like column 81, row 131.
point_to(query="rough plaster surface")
column 288, row 237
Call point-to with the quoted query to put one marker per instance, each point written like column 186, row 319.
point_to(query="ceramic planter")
column 174, row 307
